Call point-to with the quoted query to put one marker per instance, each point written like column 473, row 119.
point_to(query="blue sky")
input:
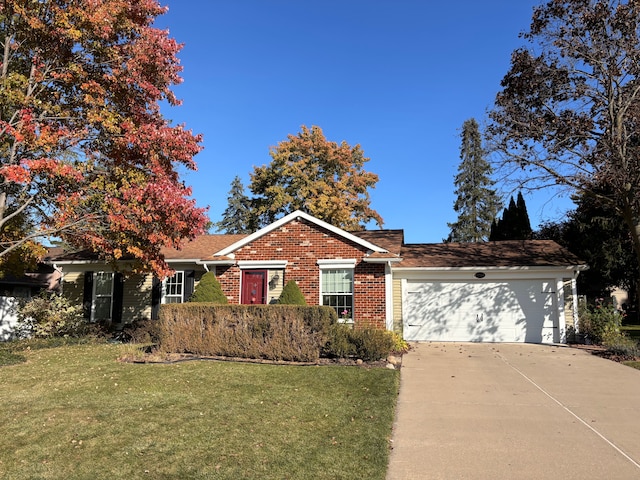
column 398, row 77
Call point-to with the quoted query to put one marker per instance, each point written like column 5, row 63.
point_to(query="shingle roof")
column 390, row 240
column 201, row 247
column 510, row 253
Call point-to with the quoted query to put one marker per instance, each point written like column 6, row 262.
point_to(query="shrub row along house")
column 512, row 291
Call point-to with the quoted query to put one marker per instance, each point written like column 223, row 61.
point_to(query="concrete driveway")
column 514, row 411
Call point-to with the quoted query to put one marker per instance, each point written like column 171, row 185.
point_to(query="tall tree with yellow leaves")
column 322, row 178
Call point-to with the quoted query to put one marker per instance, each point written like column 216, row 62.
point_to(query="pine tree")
column 477, row 202
column 524, row 224
column 237, row 217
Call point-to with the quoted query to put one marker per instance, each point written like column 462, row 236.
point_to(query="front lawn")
column 632, row 364
column 632, row 330
column 76, row 412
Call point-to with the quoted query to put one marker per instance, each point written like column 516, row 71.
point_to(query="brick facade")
column 302, row 244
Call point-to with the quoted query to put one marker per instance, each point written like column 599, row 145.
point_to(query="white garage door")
column 481, row 311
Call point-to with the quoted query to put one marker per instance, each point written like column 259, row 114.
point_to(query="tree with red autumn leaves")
column 85, row 154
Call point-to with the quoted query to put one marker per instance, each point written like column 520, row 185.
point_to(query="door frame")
column 265, row 276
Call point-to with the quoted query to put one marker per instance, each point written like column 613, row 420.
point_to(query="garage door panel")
column 508, row 311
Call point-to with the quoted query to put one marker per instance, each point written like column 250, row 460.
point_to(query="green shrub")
column 599, row 323
column 367, row 344
column 274, row 332
column 400, row 345
column 372, row 344
column 208, row 290
column 51, row 315
column 339, row 344
column 623, row 346
column 291, row 295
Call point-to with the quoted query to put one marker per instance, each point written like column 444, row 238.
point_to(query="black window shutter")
column 87, row 296
column 156, row 297
column 118, row 294
column 189, row 283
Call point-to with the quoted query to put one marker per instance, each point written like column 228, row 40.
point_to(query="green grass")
column 74, row 412
column 633, row 364
column 632, row 330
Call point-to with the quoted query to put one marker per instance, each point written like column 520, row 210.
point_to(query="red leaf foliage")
column 85, row 154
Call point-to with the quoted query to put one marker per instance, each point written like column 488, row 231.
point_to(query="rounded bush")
column 208, row 290
column 291, row 295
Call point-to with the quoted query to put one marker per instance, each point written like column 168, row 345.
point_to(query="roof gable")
column 298, row 214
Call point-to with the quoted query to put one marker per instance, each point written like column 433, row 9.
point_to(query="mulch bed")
column 184, row 357
column 602, row 352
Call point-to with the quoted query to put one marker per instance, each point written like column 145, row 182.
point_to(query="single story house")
column 512, row 291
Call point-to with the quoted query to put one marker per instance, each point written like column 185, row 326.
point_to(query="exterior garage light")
column 479, row 275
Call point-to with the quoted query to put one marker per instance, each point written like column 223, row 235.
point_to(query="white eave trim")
column 262, row 264
column 494, row 268
column 381, row 260
column 336, row 263
column 228, row 261
column 293, row 216
column 76, row 262
column 182, row 260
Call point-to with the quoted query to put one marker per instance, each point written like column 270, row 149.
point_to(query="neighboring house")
column 13, row 289
column 520, row 291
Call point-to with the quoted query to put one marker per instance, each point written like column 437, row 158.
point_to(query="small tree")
column 291, row 295
column 208, row 290
column 476, row 203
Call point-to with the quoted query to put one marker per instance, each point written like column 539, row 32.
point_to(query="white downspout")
column 388, row 289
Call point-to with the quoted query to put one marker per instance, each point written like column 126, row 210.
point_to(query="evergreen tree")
column 208, row 290
column 514, row 224
column 291, row 294
column 477, row 202
column 237, row 217
column 524, row 224
column 599, row 237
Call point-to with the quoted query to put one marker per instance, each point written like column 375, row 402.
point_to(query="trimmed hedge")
column 273, row 332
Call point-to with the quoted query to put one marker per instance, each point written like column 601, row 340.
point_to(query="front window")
column 337, row 292
column 102, row 296
column 174, row 288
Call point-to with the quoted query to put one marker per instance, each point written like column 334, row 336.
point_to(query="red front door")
column 254, row 283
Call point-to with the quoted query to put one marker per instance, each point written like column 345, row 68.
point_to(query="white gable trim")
column 337, row 263
column 262, row 264
column 293, row 216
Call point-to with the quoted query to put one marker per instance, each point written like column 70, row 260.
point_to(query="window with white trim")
column 337, row 291
column 174, row 288
column 102, row 296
